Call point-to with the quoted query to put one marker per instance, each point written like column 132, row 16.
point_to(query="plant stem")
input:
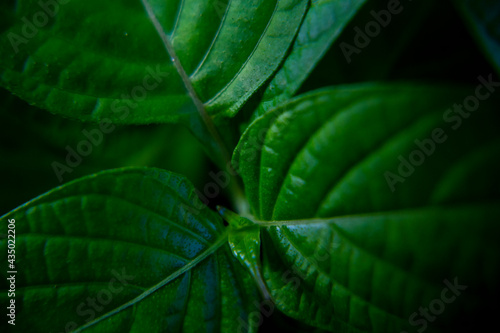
column 238, row 196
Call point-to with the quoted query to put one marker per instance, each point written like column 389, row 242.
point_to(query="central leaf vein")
column 187, row 82
column 203, row 255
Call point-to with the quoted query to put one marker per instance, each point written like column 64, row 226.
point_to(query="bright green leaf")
column 374, row 272
column 94, row 60
column 123, row 250
column 380, row 249
column 323, row 23
column 244, row 240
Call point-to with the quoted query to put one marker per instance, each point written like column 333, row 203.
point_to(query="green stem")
column 234, row 187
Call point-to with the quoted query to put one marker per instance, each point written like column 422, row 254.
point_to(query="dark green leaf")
column 94, row 60
column 122, row 251
column 372, row 251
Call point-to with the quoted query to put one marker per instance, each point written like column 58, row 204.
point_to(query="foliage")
column 354, row 143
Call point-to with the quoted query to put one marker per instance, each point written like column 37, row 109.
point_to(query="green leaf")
column 37, row 145
column 122, row 250
column 94, row 60
column 349, row 250
column 244, row 240
column 323, row 23
column 374, row 272
column 483, row 18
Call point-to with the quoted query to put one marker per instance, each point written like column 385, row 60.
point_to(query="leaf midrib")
column 334, row 220
column 203, row 255
column 207, row 120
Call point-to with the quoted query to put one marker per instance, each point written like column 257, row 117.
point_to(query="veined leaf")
column 483, row 16
column 323, row 23
column 123, row 250
column 244, row 240
column 380, row 272
column 94, row 60
column 377, row 251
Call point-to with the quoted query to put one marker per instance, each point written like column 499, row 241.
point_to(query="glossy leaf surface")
column 123, row 250
column 94, row 60
column 324, row 22
column 381, row 249
column 244, row 240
